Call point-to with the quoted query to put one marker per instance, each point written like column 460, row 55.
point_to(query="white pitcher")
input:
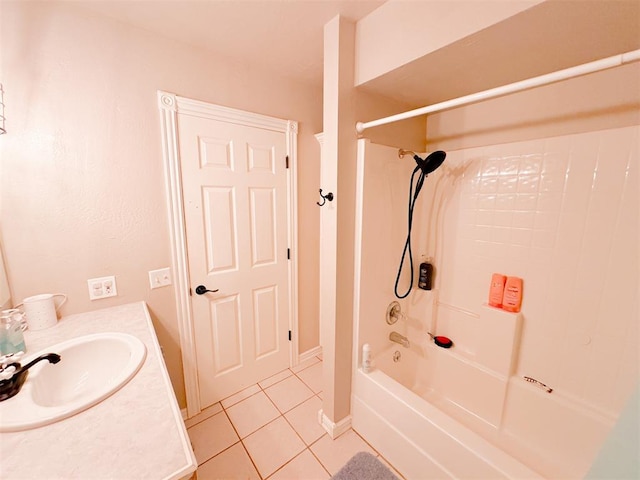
column 41, row 310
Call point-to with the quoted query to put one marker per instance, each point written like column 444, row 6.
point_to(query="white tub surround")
column 561, row 213
column 444, row 388
column 137, row 432
column 422, row 441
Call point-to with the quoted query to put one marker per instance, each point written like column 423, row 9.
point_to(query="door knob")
column 201, row 290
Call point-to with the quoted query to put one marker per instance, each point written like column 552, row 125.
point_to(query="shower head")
column 433, row 161
column 424, row 168
column 427, row 165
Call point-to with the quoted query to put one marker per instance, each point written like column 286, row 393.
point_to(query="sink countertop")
column 136, row 433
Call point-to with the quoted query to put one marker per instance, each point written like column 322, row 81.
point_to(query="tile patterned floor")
column 271, row 431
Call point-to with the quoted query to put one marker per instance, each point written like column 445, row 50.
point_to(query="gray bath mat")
column 364, row 466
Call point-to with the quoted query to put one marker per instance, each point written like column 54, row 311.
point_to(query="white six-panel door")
column 235, row 212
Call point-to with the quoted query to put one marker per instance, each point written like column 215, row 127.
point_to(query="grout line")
column 246, row 398
column 362, row 438
column 315, row 456
column 306, row 447
column 236, row 393
column 294, row 429
column 251, row 460
column 319, row 461
column 308, row 366
column 204, row 419
column 297, row 404
column 215, row 455
column 232, row 425
column 224, row 409
column 235, row 431
column 276, row 383
column 377, row 452
column 240, row 438
column 286, row 463
column 305, row 383
column 219, row 453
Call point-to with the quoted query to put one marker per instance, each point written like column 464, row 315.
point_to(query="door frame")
column 170, row 105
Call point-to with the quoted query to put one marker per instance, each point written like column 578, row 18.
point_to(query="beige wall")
column 602, row 100
column 407, row 134
column 83, row 191
column 343, row 106
column 339, row 154
column 5, row 293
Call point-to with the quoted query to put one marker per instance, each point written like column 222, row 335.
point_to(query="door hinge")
column 287, row 161
column 288, row 254
column 289, row 335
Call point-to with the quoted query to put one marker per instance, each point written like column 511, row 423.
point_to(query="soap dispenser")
column 11, row 327
column 425, row 278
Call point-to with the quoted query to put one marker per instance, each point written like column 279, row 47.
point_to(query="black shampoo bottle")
column 426, row 275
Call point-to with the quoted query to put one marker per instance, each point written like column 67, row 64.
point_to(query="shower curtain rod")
column 591, row 67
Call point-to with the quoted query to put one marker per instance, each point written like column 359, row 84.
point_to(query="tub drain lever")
column 444, row 342
column 538, row 383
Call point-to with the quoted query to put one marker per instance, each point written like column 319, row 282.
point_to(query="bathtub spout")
column 401, row 339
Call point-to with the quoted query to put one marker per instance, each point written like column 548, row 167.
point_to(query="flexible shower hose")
column 413, row 196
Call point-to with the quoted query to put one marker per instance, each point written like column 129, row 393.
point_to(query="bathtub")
column 465, row 412
column 429, row 426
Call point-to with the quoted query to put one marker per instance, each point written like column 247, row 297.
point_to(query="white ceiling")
column 282, row 35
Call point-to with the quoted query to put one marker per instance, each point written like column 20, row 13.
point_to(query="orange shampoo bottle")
column 512, row 298
column 497, row 290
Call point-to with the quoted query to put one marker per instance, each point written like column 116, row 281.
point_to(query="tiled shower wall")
column 562, row 213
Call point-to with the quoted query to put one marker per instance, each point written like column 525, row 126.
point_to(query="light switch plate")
column 160, row 278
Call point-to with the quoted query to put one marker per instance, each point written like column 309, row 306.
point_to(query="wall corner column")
column 338, row 175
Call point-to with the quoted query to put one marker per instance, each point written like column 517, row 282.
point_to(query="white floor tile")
column 333, row 454
column 273, row 445
column 275, row 378
column 203, row 415
column 312, row 377
column 252, row 413
column 212, row 436
column 241, row 395
column 304, row 466
column 288, row 393
column 233, row 463
column 304, row 420
column 306, row 364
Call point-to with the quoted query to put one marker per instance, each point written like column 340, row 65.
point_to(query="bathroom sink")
column 91, row 368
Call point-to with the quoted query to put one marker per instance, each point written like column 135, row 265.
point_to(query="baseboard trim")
column 313, row 352
column 334, row 429
column 184, row 413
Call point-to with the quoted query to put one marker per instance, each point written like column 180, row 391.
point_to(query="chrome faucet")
column 401, row 339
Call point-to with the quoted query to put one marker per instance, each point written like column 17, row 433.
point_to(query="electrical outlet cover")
column 102, row 287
